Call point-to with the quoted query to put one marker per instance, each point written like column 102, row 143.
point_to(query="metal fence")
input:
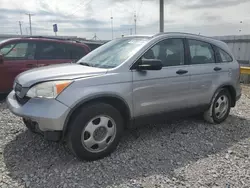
column 245, row 75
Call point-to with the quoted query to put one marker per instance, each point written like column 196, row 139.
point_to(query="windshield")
column 113, row 53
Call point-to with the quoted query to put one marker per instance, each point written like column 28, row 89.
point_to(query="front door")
column 164, row 90
column 18, row 57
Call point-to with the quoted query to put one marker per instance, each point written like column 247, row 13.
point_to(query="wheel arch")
column 114, row 100
column 231, row 90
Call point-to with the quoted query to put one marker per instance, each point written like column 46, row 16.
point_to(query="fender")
column 221, row 86
column 95, row 97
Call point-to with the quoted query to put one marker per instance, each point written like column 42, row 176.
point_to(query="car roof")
column 59, row 40
column 210, row 40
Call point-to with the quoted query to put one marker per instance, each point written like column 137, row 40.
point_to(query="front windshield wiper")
column 85, row 64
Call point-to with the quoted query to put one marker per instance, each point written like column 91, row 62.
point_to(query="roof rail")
column 54, row 38
column 158, row 34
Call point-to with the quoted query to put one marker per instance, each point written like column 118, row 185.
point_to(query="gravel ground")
column 183, row 153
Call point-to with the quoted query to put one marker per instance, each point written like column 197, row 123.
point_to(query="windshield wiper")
column 85, row 64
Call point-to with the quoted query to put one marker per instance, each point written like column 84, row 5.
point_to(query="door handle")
column 41, row 65
column 181, row 71
column 217, row 69
column 30, row 65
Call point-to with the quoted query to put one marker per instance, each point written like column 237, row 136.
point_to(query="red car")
column 20, row 54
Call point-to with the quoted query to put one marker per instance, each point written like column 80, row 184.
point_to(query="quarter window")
column 224, row 57
column 201, row 52
column 169, row 51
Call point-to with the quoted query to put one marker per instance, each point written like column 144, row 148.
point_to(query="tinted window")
column 52, row 50
column 19, row 51
column 76, row 52
column 201, row 52
column 169, row 51
column 224, row 57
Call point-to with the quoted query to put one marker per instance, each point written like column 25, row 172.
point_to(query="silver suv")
column 126, row 82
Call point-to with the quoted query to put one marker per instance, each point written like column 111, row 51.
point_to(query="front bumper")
column 238, row 97
column 49, row 114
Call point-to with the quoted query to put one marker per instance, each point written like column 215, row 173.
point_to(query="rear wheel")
column 219, row 108
column 95, row 132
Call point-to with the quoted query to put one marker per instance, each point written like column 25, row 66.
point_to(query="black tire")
column 77, row 125
column 210, row 115
column 31, row 127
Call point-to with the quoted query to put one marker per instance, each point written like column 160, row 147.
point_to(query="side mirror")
column 150, row 64
column 1, row 59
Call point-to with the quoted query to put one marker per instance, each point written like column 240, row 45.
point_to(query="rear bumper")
column 49, row 114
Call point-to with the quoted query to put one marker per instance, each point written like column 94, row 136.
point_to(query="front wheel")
column 30, row 125
column 95, row 132
column 219, row 108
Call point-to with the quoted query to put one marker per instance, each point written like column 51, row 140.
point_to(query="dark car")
column 20, row 54
column 93, row 44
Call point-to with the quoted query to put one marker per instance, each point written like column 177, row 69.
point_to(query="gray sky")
column 86, row 17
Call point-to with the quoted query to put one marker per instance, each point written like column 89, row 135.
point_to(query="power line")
column 80, row 6
column 138, row 13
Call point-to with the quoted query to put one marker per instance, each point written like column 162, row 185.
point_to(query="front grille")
column 20, row 95
column 18, row 88
column 23, row 100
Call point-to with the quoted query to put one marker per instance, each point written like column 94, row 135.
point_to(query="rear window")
column 93, row 46
column 52, row 50
column 76, row 52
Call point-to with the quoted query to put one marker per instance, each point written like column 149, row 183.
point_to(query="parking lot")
column 182, row 153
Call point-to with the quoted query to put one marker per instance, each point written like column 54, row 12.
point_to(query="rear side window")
column 76, row 52
column 52, row 50
column 224, row 57
column 201, row 52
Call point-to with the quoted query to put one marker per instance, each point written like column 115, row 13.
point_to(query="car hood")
column 57, row 72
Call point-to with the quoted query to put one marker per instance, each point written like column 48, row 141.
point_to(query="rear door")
column 19, row 56
column 202, row 70
column 50, row 52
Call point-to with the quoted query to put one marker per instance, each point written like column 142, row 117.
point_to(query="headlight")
column 48, row 89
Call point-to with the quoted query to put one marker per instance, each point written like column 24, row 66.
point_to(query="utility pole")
column 135, row 21
column 161, row 15
column 30, row 21
column 95, row 37
column 20, row 25
column 112, row 25
column 130, row 31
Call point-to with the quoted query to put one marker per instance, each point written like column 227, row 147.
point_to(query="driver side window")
column 169, row 51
